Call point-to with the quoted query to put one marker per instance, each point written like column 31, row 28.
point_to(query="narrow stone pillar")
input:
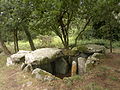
column 81, row 66
column 74, row 68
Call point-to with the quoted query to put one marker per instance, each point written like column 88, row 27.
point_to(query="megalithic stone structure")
column 74, row 68
column 81, row 66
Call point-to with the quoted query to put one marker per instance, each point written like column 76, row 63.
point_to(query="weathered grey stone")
column 19, row 57
column 83, row 55
column 93, row 48
column 42, row 75
column 43, row 56
column 47, row 67
column 95, row 57
column 89, row 65
column 93, row 60
column 9, row 62
column 81, row 66
column 61, row 66
column 23, row 65
column 28, row 68
column 98, row 55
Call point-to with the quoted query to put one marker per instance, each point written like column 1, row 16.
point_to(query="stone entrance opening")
column 59, row 67
column 56, row 62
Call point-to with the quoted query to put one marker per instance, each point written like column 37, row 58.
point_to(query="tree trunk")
column 111, row 46
column 30, row 39
column 110, row 38
column 3, row 47
column 110, row 41
column 64, row 29
column 86, row 24
column 16, row 47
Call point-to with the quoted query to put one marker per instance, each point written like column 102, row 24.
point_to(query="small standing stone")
column 9, row 62
column 81, row 66
column 74, row 68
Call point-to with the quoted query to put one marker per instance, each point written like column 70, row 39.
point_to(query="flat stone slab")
column 43, row 75
column 93, row 48
column 17, row 57
column 42, row 56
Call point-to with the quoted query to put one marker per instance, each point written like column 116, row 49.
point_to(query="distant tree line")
column 26, row 19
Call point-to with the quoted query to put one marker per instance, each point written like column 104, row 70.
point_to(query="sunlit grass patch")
column 2, row 60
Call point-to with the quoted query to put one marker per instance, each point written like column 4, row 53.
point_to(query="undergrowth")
column 56, row 42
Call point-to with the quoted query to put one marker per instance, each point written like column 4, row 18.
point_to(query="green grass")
column 94, row 86
column 69, row 80
column 2, row 60
column 100, row 42
column 5, row 74
column 113, row 78
column 104, row 68
column 56, row 42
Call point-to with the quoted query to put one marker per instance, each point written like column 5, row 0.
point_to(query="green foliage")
column 82, row 48
column 116, row 44
column 56, row 42
column 65, row 18
column 107, row 21
column 15, row 16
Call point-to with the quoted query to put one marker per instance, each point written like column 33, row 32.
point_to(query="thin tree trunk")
column 3, row 47
column 15, row 50
column 82, row 30
column 30, row 39
column 110, row 32
column 111, row 46
column 64, row 30
column 16, row 47
column 110, row 38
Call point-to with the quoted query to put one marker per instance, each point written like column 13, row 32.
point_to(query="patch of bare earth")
column 105, row 76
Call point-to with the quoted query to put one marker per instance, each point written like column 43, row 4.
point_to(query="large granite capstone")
column 43, row 56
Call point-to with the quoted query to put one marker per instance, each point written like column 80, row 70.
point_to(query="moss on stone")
column 42, row 73
column 100, row 56
column 90, row 67
column 82, row 48
column 75, row 50
column 66, row 52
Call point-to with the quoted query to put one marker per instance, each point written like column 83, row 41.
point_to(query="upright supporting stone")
column 81, row 66
column 61, row 66
column 74, row 68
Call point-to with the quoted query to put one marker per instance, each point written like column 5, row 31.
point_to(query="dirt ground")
column 105, row 76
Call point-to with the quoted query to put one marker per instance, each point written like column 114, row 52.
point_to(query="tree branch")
column 82, row 30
